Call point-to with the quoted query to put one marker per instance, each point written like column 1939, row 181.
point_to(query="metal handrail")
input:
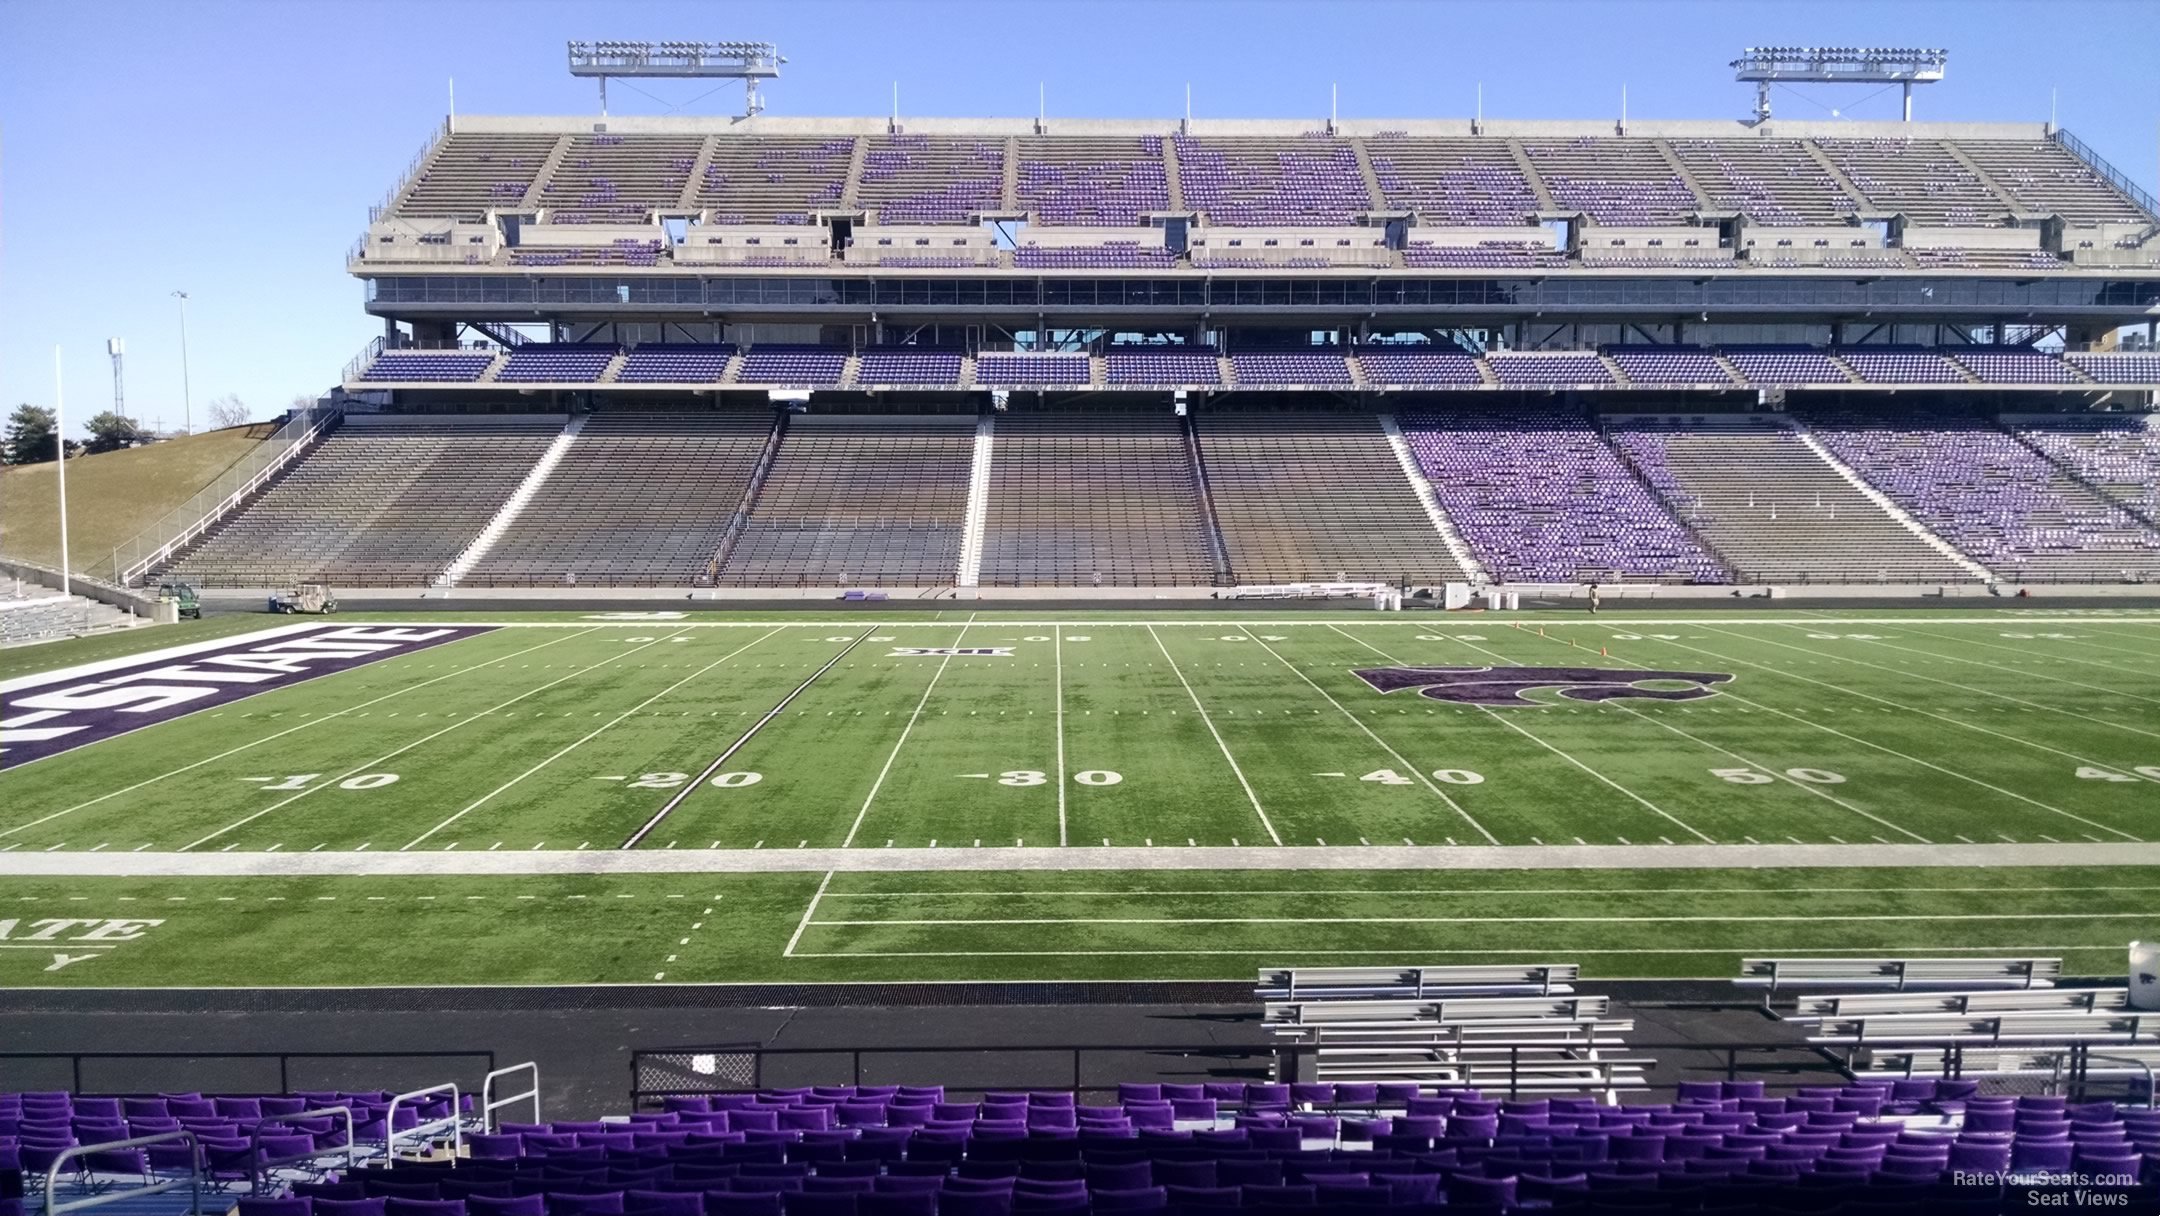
column 259, row 1169
column 2152, row 1075
column 2115, row 177
column 489, row 1103
column 194, row 1179
column 454, row 1122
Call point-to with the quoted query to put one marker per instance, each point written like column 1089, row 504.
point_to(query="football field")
column 607, row 797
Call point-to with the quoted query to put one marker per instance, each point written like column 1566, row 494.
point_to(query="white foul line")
column 1503, row 719
column 905, row 731
column 399, row 692
column 1442, row 794
column 595, row 733
column 1210, row 724
column 415, row 743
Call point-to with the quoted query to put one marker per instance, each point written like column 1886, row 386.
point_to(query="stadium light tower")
column 187, row 394
column 116, row 348
column 1907, row 66
column 748, row 62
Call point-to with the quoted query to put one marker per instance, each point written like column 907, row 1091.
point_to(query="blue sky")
column 232, row 149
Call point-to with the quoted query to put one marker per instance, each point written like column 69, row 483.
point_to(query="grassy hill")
column 112, row 496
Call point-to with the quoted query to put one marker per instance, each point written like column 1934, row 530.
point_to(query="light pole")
column 187, row 403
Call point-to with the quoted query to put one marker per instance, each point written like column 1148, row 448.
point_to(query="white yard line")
column 901, row 742
column 1399, row 759
column 390, row 755
column 1057, row 652
column 1281, row 954
column 1209, row 722
column 1911, row 709
column 1474, row 892
column 330, row 717
column 1211, row 620
column 2050, row 655
column 1001, row 859
column 1503, row 719
column 682, row 795
column 807, row 913
column 1965, row 777
column 2032, row 675
column 1795, row 918
column 617, row 720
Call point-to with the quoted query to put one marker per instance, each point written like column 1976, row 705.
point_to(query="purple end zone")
column 1506, row 685
column 59, row 711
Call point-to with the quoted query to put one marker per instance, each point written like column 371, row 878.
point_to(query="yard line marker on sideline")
column 689, row 788
column 595, row 733
column 807, row 912
column 1503, row 719
column 1210, row 723
column 905, row 731
column 408, row 747
column 1453, row 805
column 290, row 729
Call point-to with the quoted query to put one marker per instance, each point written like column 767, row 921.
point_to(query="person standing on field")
column 1593, row 599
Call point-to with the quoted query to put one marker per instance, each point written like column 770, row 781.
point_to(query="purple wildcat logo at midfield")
column 56, row 711
column 1506, row 685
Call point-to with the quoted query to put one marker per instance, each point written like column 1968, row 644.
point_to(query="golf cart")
column 311, row 598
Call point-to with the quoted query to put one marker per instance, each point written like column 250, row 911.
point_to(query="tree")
column 109, row 432
column 31, row 438
column 229, row 410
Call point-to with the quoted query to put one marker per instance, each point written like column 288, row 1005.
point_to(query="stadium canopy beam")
column 748, row 62
column 1904, row 66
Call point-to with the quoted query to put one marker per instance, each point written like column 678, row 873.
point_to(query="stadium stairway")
column 978, row 501
column 514, row 505
column 1424, row 491
column 1218, row 550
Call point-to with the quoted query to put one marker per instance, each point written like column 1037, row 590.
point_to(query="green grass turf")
column 1854, row 728
column 1172, row 924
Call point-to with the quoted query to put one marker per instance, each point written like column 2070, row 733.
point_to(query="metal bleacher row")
column 1155, row 368
column 1228, row 497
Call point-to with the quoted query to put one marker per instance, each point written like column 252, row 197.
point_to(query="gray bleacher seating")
column 382, row 502
column 1311, row 496
column 1398, row 983
column 639, row 499
column 1080, row 499
column 2001, row 1000
column 859, row 500
column 1772, row 508
column 1786, row 974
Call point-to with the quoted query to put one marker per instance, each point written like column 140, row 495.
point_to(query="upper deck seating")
column 908, row 365
column 470, row 174
column 1900, row 365
column 1316, row 496
column 775, row 363
column 1289, row 367
column 1467, row 182
column 1253, row 182
column 921, row 179
column 1084, row 180
column 1539, row 497
column 2117, row 368
column 675, row 363
column 1094, row 499
column 1406, row 366
column 1027, row 369
column 1918, row 178
column 859, row 500
column 2009, row 365
column 556, row 361
column 1773, row 508
column 380, row 502
column 446, row 366
column 1623, row 182
column 1546, row 370
column 1669, row 365
column 618, row 179
column 1162, row 365
column 1108, row 255
column 1774, row 182
column 774, row 179
column 639, row 499
column 2048, row 179
column 1784, row 366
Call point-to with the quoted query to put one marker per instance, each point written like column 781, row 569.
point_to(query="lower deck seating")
column 1541, row 498
column 1772, row 507
column 1104, row 499
column 639, row 499
column 859, row 500
column 2116, row 454
column 1314, row 496
column 384, row 501
column 1996, row 499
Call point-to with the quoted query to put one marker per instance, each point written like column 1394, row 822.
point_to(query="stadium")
column 1066, row 664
